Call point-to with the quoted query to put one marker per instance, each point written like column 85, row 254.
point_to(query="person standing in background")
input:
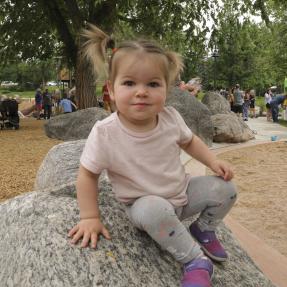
column 252, row 103
column 238, row 100
column 38, row 103
column 268, row 98
column 47, row 104
column 245, row 106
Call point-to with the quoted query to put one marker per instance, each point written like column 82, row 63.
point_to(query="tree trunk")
column 85, row 84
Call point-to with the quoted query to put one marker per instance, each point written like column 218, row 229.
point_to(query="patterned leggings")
column 210, row 196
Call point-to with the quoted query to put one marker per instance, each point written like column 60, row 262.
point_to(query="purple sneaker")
column 209, row 243
column 197, row 273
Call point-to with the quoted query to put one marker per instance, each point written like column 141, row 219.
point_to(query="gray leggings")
column 210, row 196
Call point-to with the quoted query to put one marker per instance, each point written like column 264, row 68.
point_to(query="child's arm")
column 200, row 151
column 90, row 225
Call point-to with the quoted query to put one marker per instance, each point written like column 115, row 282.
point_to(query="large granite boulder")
column 35, row 250
column 196, row 115
column 74, row 126
column 216, row 103
column 227, row 126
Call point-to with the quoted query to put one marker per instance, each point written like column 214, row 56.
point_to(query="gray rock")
column 35, row 249
column 230, row 128
column 60, row 166
column 130, row 259
column 216, row 103
column 74, row 126
column 195, row 114
column 227, row 127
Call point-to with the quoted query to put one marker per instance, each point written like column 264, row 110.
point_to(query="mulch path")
column 21, row 153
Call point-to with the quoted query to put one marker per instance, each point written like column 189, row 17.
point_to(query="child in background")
column 108, row 105
column 139, row 146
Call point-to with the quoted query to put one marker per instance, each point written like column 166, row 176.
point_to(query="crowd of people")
column 47, row 104
column 243, row 102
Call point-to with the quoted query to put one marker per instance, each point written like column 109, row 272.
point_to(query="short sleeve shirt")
column 139, row 164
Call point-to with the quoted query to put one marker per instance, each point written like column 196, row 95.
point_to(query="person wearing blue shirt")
column 66, row 104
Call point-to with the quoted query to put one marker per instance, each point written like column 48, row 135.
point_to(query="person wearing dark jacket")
column 274, row 104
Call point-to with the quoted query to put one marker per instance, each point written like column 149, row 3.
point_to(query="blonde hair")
column 95, row 50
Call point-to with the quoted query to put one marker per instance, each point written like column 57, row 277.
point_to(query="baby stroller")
column 9, row 117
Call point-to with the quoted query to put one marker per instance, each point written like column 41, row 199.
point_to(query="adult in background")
column 47, row 103
column 268, row 99
column 230, row 98
column 252, row 103
column 275, row 102
column 38, row 103
column 238, row 100
column 245, row 106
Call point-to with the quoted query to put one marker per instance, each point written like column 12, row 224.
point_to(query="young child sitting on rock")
column 139, row 146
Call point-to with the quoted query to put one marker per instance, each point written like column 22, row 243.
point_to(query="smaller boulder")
column 231, row 129
column 216, row 103
column 74, row 126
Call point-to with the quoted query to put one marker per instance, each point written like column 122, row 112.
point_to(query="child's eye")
column 128, row 83
column 154, row 84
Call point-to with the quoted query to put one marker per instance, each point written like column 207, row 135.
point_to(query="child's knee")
column 151, row 211
column 229, row 192
column 225, row 189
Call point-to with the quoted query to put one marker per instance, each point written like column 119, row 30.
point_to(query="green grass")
column 283, row 123
column 24, row 94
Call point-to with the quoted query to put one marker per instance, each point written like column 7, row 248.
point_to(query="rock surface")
column 216, row 103
column 60, row 166
column 227, row 126
column 35, row 250
column 230, row 129
column 74, row 126
column 195, row 114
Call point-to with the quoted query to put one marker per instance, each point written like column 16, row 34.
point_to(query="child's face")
column 139, row 90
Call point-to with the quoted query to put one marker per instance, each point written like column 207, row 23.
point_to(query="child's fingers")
column 73, row 230
column 86, row 239
column 77, row 236
column 94, row 239
column 106, row 233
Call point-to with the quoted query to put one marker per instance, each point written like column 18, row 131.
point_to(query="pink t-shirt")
column 139, row 164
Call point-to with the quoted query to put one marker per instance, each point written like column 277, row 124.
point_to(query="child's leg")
column 210, row 196
column 157, row 217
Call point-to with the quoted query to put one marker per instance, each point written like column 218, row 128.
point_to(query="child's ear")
column 110, row 89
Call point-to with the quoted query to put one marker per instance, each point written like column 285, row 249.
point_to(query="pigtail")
column 95, row 48
column 175, row 65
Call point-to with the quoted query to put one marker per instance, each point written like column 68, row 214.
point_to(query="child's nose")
column 142, row 91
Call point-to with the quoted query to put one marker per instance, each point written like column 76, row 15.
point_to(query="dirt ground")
column 261, row 178
column 260, row 174
column 21, row 153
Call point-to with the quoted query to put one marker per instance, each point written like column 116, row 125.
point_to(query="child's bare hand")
column 89, row 229
column 222, row 168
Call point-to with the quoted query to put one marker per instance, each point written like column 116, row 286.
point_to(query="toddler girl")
column 139, row 146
